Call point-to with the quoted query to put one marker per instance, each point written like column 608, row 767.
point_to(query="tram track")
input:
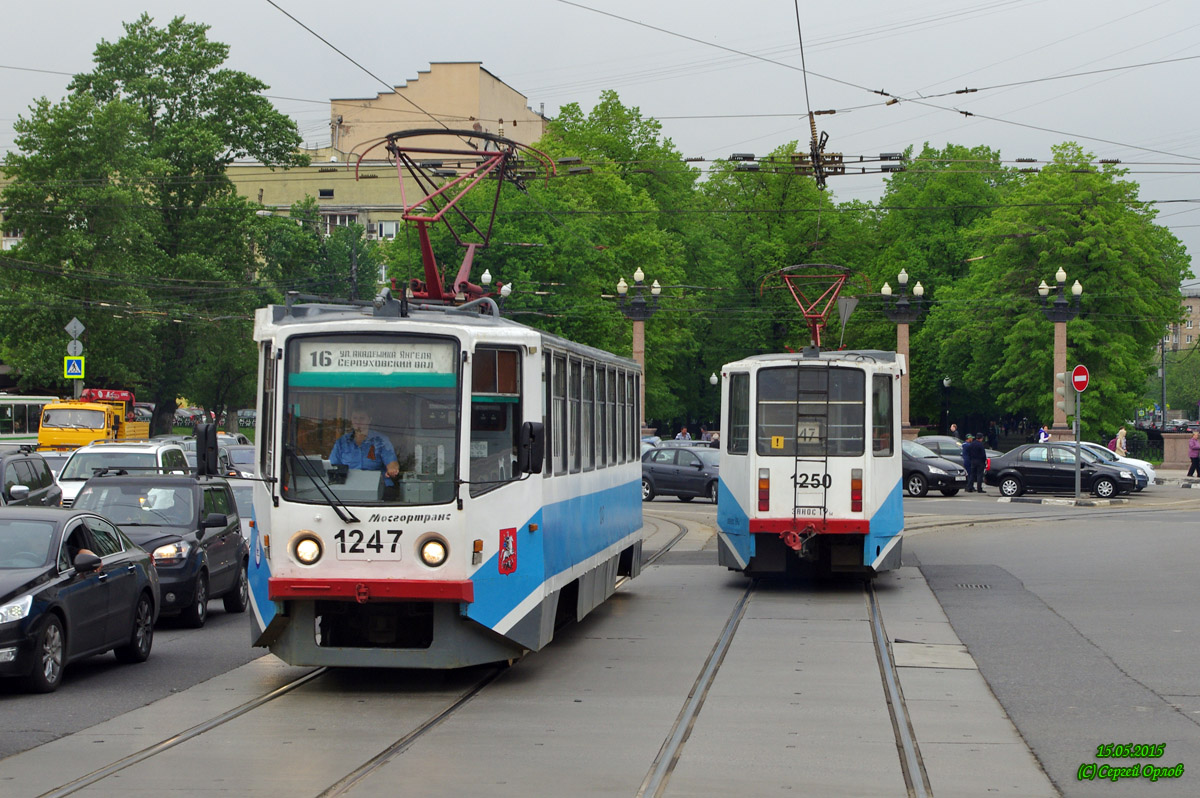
column 184, row 736
column 358, row 774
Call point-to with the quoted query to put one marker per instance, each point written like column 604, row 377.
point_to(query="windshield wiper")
column 318, row 478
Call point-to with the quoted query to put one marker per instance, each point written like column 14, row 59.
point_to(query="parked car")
column 26, row 478
column 137, row 456
column 241, row 460
column 1143, row 471
column 225, row 466
column 1050, row 468
column 56, row 461
column 950, row 447
column 925, row 469
column 71, row 585
column 647, row 446
column 190, row 526
column 681, row 472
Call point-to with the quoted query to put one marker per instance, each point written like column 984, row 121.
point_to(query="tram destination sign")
column 420, row 357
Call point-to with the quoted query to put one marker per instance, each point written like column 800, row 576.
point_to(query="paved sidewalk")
column 1176, row 477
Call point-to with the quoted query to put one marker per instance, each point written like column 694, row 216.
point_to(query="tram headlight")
column 307, row 548
column 433, row 552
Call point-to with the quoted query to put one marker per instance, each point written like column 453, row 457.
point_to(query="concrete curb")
column 1063, row 502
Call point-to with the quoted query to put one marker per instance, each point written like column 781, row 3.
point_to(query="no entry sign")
column 1079, row 378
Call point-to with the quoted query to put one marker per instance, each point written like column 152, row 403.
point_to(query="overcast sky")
column 714, row 101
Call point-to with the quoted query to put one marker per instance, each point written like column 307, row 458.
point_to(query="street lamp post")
column 944, row 427
column 638, row 310
column 902, row 312
column 1060, row 311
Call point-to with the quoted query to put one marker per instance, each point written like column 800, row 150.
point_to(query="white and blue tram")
column 511, row 502
column 811, row 463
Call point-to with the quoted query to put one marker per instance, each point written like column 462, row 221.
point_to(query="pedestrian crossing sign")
column 73, row 368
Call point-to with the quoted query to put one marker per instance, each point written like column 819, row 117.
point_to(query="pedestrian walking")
column 1121, row 448
column 1194, row 454
column 954, row 432
column 683, row 435
column 993, row 440
column 1044, row 434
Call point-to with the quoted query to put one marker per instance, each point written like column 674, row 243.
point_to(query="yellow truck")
column 99, row 414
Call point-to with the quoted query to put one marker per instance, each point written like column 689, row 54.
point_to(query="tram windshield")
column 370, row 420
column 811, row 412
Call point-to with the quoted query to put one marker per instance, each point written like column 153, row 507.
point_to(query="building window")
column 1189, row 324
column 324, row 193
column 387, row 229
column 333, row 220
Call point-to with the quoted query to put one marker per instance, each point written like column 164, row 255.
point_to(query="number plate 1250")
column 355, row 544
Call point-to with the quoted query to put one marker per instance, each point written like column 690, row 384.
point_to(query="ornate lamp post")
column 638, row 310
column 944, row 427
column 1060, row 311
column 902, row 313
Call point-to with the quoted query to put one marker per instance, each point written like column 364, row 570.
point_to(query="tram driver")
column 364, row 449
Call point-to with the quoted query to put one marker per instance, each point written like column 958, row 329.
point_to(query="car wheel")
column 647, row 490
column 1105, row 488
column 712, row 492
column 238, row 599
column 685, row 498
column 949, row 491
column 916, row 484
column 197, row 613
column 142, row 637
column 1011, row 486
column 49, row 657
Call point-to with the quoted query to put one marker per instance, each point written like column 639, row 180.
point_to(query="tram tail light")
column 856, row 490
column 764, row 490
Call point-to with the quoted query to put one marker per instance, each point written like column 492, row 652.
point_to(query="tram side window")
column 573, row 435
column 882, row 444
column 588, row 438
column 612, row 417
column 738, row 422
column 559, row 411
column 495, row 417
column 622, row 423
column 811, row 412
column 601, row 417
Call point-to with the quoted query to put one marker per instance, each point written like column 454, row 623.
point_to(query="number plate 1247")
column 355, row 544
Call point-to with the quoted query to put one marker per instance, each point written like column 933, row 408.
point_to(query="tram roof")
column 824, row 356
column 317, row 312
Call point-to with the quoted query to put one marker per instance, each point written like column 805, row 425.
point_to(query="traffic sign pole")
column 1079, row 381
column 73, row 363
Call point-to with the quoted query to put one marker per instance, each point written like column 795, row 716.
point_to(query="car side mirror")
column 214, row 519
column 18, row 493
column 698, row 466
column 86, row 562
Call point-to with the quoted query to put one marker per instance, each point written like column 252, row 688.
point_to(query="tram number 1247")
column 357, row 542
column 814, row 481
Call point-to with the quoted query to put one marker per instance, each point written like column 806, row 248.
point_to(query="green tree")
column 990, row 335
column 122, row 196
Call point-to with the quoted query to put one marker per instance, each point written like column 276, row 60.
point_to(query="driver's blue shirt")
column 373, row 454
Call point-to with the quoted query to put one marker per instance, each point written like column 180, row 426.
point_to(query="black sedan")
column 925, row 469
column 190, row 525
column 71, row 585
column 949, row 447
column 682, row 472
column 1050, row 468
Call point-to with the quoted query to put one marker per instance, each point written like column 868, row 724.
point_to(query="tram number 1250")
column 814, row 481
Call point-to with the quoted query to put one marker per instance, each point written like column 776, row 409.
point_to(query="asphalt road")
column 99, row 688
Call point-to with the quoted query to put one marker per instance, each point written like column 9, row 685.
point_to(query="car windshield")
column 138, row 504
column 710, row 457
column 914, row 449
column 73, row 418
column 25, row 544
column 1101, row 453
column 243, row 497
column 55, row 461
column 242, row 456
column 83, row 465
